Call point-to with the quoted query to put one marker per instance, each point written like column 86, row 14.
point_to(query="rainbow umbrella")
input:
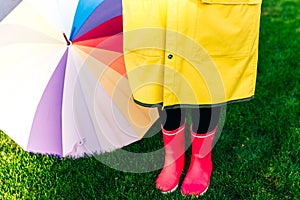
column 63, row 84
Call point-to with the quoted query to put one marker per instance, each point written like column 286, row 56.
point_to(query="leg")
column 204, row 125
column 172, row 119
column 173, row 127
column 205, row 119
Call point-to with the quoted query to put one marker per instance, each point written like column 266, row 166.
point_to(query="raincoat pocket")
column 229, row 27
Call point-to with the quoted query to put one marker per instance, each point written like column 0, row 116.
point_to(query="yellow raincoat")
column 191, row 52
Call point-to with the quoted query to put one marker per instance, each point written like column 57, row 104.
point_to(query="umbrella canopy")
column 63, row 84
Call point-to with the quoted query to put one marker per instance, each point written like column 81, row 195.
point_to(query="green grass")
column 256, row 157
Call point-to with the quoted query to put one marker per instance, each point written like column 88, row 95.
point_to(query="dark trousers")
column 203, row 119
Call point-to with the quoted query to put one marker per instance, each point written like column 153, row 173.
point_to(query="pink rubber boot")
column 174, row 144
column 197, row 179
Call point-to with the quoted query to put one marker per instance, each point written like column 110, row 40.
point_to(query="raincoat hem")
column 192, row 105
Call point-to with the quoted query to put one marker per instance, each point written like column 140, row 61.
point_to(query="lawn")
column 256, row 157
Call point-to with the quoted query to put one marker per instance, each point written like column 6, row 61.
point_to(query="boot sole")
column 170, row 191
column 196, row 195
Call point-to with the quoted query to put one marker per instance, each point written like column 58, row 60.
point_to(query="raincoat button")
column 170, row 56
